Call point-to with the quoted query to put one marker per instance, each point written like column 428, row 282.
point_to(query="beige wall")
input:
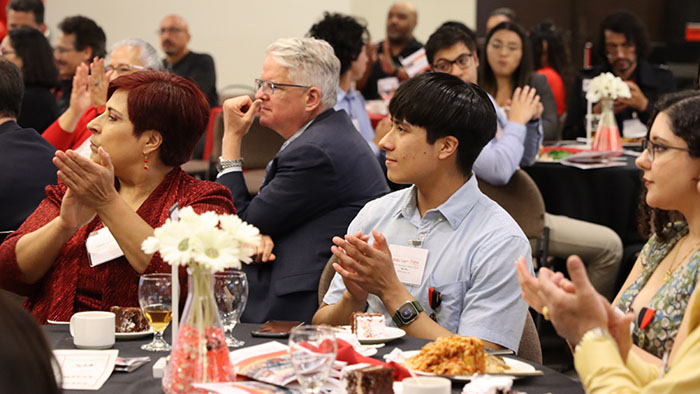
column 236, row 32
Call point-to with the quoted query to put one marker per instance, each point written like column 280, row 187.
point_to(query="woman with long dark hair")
column 551, row 60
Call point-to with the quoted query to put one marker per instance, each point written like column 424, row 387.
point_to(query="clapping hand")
column 98, row 83
column 91, row 183
column 80, row 95
column 524, row 105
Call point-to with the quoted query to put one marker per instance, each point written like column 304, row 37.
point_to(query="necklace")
column 673, row 267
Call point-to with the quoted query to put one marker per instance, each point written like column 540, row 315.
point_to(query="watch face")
column 407, row 312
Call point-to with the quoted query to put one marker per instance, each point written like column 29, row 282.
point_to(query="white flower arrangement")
column 607, row 86
column 215, row 242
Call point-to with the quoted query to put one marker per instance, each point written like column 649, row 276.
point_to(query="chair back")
column 326, row 277
column 530, row 347
column 521, row 198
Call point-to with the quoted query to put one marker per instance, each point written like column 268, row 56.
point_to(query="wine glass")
column 312, row 350
column 155, row 297
column 231, row 294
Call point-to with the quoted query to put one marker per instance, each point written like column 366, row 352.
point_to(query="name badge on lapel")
column 102, row 247
column 409, row 263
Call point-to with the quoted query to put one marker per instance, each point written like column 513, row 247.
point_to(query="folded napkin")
column 348, row 354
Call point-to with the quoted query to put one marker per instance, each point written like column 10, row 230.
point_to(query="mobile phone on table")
column 275, row 329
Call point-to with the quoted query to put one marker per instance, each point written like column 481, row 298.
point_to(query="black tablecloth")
column 141, row 381
column 607, row 196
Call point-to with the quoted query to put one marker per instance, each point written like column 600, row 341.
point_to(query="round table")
column 141, row 381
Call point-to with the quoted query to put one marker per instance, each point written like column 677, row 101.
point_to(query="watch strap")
column 397, row 319
column 224, row 164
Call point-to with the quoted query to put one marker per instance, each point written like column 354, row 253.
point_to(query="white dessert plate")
column 57, row 322
column 133, row 335
column 518, row 369
column 390, row 333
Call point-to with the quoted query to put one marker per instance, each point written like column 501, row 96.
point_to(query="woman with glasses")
column 508, row 66
column 89, row 92
column 662, row 282
column 27, row 48
column 81, row 248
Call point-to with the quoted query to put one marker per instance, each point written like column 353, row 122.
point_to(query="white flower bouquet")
column 215, row 242
column 607, row 86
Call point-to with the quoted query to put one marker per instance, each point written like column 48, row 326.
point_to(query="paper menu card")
column 85, row 369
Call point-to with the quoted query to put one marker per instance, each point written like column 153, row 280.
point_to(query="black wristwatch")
column 407, row 313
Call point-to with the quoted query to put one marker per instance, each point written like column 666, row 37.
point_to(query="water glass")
column 231, row 295
column 155, row 298
column 312, row 350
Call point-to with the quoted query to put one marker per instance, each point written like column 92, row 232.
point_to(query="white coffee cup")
column 426, row 385
column 92, row 330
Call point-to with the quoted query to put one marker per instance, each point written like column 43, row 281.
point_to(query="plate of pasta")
column 461, row 358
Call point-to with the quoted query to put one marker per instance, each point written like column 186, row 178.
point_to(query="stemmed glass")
column 155, row 298
column 231, row 295
column 312, row 350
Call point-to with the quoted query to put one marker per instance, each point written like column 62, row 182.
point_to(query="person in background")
column 399, row 43
column 509, row 66
column 322, row 176
column 27, row 362
column 498, row 16
column 551, row 60
column 89, row 92
column 25, row 157
column 124, row 189
column 30, row 51
column 452, row 51
column 622, row 48
column 663, row 282
column 80, row 40
column 26, row 13
column 440, row 125
column 199, row 67
column 348, row 37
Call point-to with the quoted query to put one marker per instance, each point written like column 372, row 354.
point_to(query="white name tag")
column 102, row 247
column 585, row 84
column 356, row 123
column 409, row 263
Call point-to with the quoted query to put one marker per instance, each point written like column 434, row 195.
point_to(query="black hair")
column 445, row 106
column 683, row 111
column 445, row 37
column 345, row 34
column 522, row 74
column 34, row 6
column 11, row 89
column 459, row 25
column 626, row 23
column 87, row 34
column 556, row 52
column 26, row 362
column 38, row 66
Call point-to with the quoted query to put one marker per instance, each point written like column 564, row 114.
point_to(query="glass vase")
column 607, row 136
column 200, row 354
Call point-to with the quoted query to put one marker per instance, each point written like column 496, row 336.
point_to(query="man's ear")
column 153, row 141
column 448, row 146
column 313, row 99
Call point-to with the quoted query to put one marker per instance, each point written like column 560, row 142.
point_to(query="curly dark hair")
column 626, row 23
column 346, row 35
column 87, row 34
column 556, row 52
column 38, row 66
column 683, row 110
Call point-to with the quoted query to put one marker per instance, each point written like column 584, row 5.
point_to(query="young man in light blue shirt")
column 467, row 282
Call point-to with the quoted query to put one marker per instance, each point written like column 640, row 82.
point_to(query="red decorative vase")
column 200, row 354
column 607, row 136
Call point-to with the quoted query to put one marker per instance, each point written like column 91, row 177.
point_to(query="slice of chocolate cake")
column 374, row 379
column 129, row 319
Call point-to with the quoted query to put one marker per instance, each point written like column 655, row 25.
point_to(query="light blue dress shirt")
column 472, row 248
column 354, row 104
column 517, row 146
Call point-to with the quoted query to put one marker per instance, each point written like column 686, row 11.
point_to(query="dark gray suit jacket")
column 313, row 189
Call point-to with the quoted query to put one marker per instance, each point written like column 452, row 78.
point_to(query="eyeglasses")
column 654, row 148
column 498, row 45
column 268, row 87
column 123, row 68
column 464, row 61
column 171, row 30
column 61, row 50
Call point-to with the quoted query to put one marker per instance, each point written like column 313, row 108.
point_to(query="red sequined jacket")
column 55, row 295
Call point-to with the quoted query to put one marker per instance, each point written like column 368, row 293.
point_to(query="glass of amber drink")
column 155, row 297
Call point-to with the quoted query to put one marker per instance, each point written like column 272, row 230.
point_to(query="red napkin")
column 349, row 355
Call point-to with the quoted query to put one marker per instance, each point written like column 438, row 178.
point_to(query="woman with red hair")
column 151, row 123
